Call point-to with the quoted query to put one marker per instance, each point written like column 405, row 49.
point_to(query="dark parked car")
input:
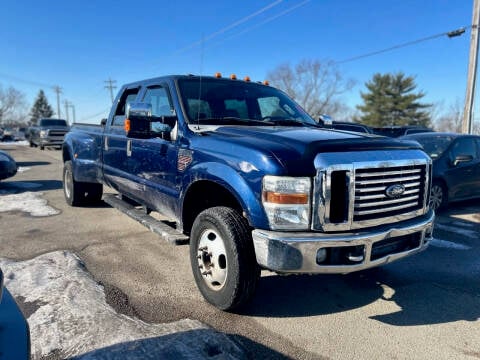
column 8, row 166
column 396, row 131
column 456, row 166
column 14, row 330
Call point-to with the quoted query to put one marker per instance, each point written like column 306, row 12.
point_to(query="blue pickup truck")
column 252, row 181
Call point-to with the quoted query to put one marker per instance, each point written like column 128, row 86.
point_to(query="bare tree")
column 316, row 85
column 13, row 106
column 451, row 119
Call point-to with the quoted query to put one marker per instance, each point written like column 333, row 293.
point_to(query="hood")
column 296, row 147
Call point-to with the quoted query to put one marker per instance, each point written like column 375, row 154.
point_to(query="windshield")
column 53, row 122
column 236, row 102
column 434, row 146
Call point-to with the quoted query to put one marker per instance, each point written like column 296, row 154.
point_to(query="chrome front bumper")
column 292, row 252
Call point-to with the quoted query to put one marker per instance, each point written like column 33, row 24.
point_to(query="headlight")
column 286, row 201
column 43, row 133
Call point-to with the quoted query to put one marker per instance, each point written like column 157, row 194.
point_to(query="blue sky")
column 80, row 44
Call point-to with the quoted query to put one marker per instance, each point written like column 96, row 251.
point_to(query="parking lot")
column 424, row 307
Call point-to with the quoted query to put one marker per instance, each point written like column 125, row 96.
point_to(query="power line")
column 450, row 34
column 25, row 81
column 271, row 18
column 95, row 115
column 229, row 27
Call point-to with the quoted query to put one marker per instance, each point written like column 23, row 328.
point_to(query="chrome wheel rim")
column 436, row 197
column 212, row 259
column 68, row 182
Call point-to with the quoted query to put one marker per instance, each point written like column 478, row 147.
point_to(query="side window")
column 270, row 106
column 158, row 97
column 464, row 147
column 129, row 95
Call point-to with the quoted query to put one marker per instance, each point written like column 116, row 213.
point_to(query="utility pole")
column 111, row 85
column 65, row 102
column 472, row 71
column 58, row 90
column 73, row 111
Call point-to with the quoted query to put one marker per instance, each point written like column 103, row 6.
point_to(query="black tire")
column 79, row 193
column 31, row 144
column 223, row 258
column 42, row 147
column 438, row 196
column 93, row 193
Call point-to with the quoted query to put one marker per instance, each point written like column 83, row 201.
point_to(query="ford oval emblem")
column 395, row 190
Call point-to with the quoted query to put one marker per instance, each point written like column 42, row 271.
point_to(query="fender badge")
column 184, row 159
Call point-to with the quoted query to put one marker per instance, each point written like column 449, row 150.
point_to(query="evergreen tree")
column 391, row 101
column 41, row 108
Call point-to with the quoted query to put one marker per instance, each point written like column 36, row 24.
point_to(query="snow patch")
column 28, row 202
column 22, row 169
column 448, row 244
column 73, row 317
column 19, row 143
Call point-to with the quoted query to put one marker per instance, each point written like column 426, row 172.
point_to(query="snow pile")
column 29, row 202
column 70, row 316
column 22, row 169
column 19, row 143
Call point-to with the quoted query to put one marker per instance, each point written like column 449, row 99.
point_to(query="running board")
column 161, row 228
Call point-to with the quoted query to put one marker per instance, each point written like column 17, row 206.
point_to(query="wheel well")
column 203, row 195
column 66, row 154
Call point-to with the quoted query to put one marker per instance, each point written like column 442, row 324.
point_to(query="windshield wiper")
column 231, row 120
column 291, row 122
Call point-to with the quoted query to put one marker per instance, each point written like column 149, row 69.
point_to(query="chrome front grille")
column 57, row 133
column 371, row 191
column 356, row 190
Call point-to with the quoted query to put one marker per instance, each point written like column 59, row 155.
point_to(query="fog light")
column 321, row 256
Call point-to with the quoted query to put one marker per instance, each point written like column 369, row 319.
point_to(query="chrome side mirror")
column 325, row 120
column 138, row 109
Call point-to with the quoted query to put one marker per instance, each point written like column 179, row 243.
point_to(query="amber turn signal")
column 280, row 198
column 126, row 125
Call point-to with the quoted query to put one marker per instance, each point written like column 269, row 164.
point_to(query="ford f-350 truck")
column 252, row 181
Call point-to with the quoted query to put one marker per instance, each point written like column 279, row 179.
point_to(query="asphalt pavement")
column 423, row 307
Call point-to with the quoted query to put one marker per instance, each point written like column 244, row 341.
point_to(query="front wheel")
column 222, row 258
column 438, row 196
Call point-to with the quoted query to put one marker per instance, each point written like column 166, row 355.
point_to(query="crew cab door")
column 465, row 170
column 154, row 159
column 116, row 163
